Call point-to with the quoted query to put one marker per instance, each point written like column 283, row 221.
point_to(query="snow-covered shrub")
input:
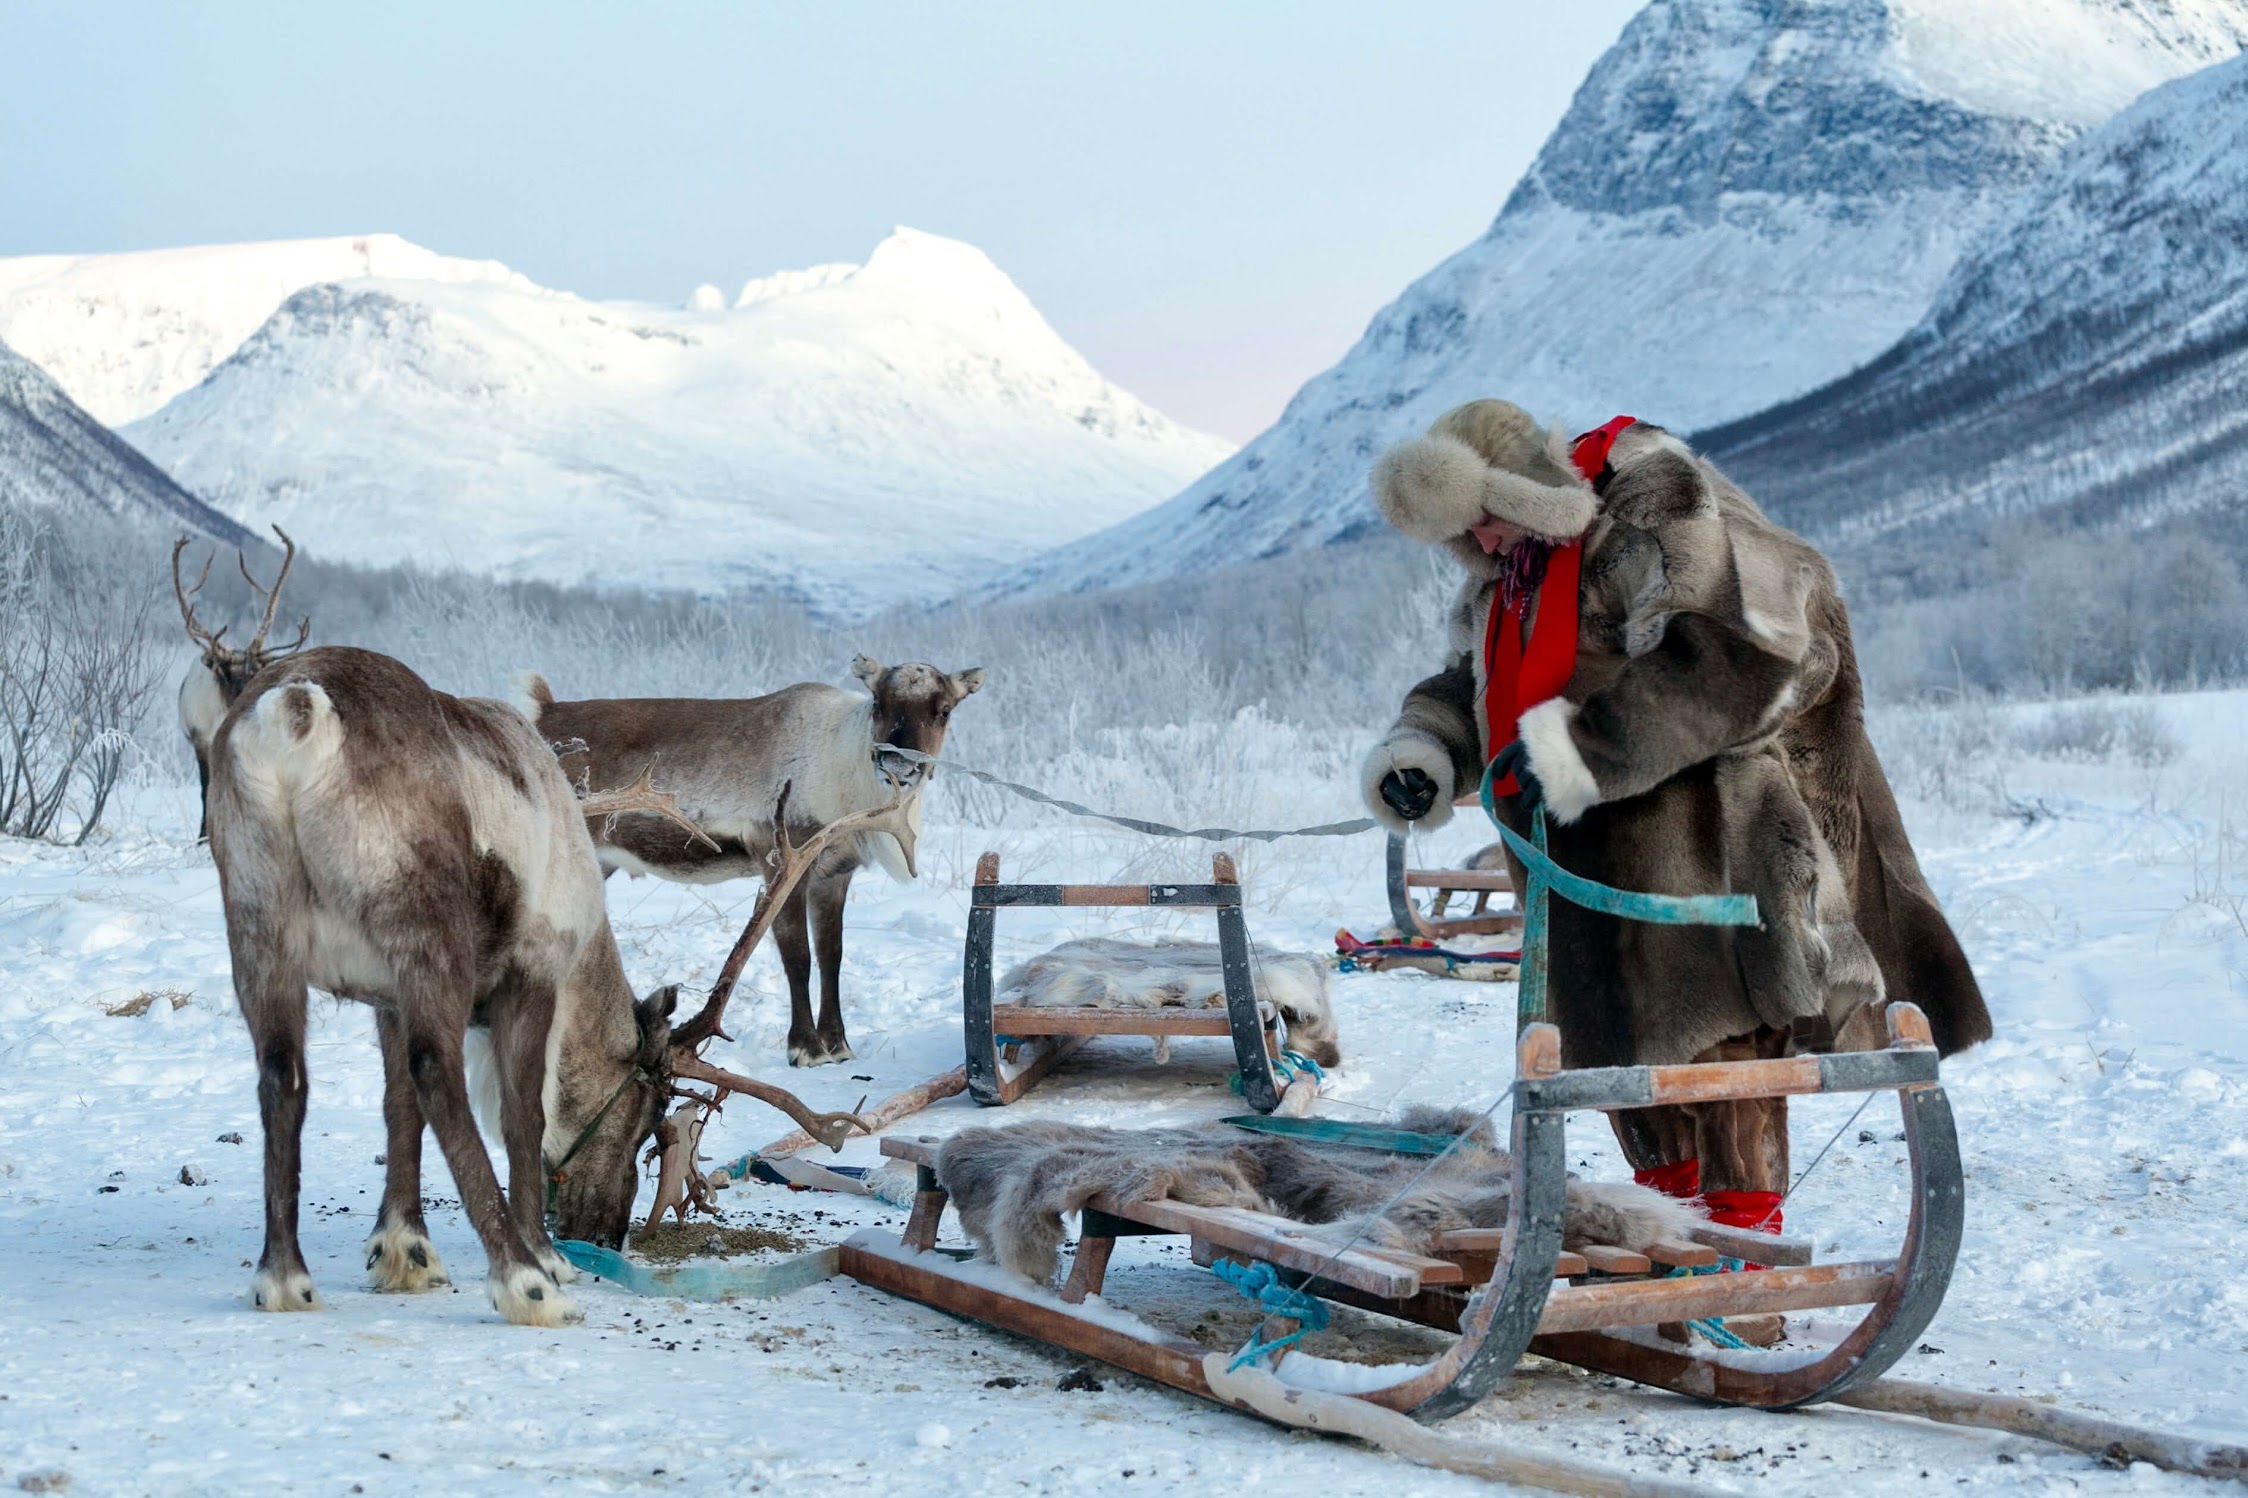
column 2099, row 732
column 78, row 667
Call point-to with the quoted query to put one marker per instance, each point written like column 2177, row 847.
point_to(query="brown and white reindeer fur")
column 725, row 760
column 423, row 854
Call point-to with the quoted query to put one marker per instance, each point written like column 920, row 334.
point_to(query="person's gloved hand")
column 1409, row 792
column 1514, row 760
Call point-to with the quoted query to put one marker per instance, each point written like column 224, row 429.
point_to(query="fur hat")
column 1484, row 459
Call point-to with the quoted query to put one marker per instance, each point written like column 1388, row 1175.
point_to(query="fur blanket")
column 1012, row 1186
column 1103, row 972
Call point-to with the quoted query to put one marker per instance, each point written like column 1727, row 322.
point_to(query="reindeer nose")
column 899, row 765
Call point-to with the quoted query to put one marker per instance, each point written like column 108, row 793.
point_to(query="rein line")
column 554, row 1175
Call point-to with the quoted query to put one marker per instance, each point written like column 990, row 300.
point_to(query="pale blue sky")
column 1208, row 200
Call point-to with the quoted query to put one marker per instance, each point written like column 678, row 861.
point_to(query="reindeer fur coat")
column 1013, row 1185
column 1711, row 740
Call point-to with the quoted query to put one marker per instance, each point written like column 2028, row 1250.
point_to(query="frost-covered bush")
column 78, row 669
column 2099, row 733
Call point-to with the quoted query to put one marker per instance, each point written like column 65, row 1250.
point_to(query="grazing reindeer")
column 423, row 853
column 222, row 671
column 726, row 762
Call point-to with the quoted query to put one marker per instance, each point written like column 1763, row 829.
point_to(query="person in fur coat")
column 1699, row 730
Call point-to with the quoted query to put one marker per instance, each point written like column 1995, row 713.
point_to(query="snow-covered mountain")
column 857, row 435
column 2090, row 354
column 1746, row 198
column 125, row 333
column 56, row 460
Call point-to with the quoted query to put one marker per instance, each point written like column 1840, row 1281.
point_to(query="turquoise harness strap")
column 1543, row 875
column 703, row 1281
column 1353, row 1135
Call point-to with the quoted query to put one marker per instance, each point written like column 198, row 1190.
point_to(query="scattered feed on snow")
column 674, row 1242
column 139, row 1004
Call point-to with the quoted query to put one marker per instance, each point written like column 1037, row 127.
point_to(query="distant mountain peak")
column 124, row 333
column 57, row 461
column 930, row 269
column 856, row 435
column 1745, row 199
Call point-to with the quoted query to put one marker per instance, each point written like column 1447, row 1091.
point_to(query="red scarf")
column 1519, row 674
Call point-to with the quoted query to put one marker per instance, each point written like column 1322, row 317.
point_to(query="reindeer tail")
column 529, row 695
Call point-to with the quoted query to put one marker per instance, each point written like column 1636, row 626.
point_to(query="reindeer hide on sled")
column 1012, row 1186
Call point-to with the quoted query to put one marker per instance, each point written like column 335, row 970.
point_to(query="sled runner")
column 1433, row 924
column 1512, row 1290
column 1012, row 1047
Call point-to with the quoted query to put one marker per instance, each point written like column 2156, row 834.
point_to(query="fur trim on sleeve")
column 1570, row 790
column 1408, row 749
column 1433, row 488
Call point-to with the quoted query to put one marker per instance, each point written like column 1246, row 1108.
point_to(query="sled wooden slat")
column 984, row 1021
column 1031, row 1019
column 1689, row 1255
column 1476, row 1251
column 1001, row 896
column 1752, row 1248
column 1165, row 1358
column 1583, row 1308
column 1495, row 881
column 1253, row 1234
column 1612, row 1087
column 1615, row 1260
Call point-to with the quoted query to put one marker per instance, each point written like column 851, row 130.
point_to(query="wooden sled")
column 1011, row 1047
column 1514, row 1290
column 1410, row 920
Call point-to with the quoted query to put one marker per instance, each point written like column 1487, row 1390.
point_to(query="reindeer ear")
column 867, row 669
column 967, row 683
column 656, row 1009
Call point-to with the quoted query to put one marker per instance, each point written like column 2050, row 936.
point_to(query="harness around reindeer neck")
column 1528, row 660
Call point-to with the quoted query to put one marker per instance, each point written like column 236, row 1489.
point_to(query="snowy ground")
column 2105, row 1133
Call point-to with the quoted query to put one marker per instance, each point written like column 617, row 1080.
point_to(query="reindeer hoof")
column 839, row 1049
column 284, row 1290
column 528, row 1296
column 402, row 1261
column 806, row 1053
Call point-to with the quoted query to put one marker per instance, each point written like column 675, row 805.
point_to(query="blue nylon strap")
column 1542, row 876
column 1630, row 905
column 702, row 1281
column 1340, row 1131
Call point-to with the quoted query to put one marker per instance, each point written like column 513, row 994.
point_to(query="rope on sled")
column 1261, row 1283
column 1286, row 1067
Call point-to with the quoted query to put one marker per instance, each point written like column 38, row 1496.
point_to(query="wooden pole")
column 887, row 1112
column 2026, row 1417
column 1261, row 1393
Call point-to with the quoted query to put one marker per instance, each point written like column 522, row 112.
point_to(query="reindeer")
column 725, row 761
column 221, row 672
column 423, row 854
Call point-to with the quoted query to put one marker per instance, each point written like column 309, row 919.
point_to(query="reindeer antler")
column 680, row 1184
column 272, row 597
column 642, row 795
column 786, row 867
column 204, row 639
column 830, row 1129
column 209, row 641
